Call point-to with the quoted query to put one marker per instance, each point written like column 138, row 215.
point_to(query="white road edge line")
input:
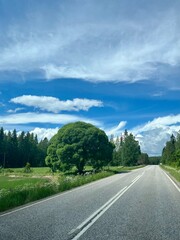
column 171, row 181
column 96, row 215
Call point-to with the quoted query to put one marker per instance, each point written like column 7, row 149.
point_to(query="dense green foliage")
column 127, row 151
column 17, row 150
column 155, row 160
column 130, row 151
column 78, row 144
column 171, row 152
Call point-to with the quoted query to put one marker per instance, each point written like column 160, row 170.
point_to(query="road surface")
column 142, row 204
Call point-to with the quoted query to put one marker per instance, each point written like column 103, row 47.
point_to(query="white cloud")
column 15, row 110
column 29, row 118
column 154, row 134
column 117, row 129
column 158, row 94
column 167, row 122
column 45, row 132
column 94, row 42
column 55, row 105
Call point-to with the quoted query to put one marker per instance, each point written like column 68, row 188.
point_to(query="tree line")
column 76, row 144
column 171, row 151
column 127, row 152
column 18, row 149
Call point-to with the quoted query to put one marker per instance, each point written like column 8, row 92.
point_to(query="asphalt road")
column 143, row 204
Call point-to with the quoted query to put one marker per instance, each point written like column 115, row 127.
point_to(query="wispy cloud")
column 52, row 104
column 158, row 94
column 2, row 104
column 170, row 122
column 94, row 42
column 117, row 130
column 15, row 110
column 50, row 118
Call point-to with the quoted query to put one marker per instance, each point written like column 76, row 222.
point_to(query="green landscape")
column 78, row 154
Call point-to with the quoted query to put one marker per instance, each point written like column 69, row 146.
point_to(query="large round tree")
column 77, row 144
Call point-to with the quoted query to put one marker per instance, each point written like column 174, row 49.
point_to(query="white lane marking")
column 96, row 215
column 171, row 181
column 96, row 212
column 135, row 179
column 100, row 209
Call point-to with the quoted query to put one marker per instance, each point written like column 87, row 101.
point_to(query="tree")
column 155, row 160
column 2, row 147
column 168, row 154
column 42, row 151
column 22, row 150
column 177, row 142
column 143, row 159
column 77, row 143
column 130, row 150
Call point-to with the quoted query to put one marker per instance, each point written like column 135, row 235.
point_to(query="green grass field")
column 7, row 182
column 18, row 188
column 20, row 171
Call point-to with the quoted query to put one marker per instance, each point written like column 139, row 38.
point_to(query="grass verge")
column 18, row 194
column 175, row 172
column 10, row 198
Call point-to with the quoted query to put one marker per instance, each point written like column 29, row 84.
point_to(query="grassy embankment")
column 18, row 188
column 175, row 172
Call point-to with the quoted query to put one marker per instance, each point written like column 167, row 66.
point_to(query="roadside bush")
column 27, row 168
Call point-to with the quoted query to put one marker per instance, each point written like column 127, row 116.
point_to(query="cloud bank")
column 95, row 41
column 152, row 135
column 50, row 118
column 55, row 105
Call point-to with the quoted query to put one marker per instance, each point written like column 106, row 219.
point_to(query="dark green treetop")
column 77, row 144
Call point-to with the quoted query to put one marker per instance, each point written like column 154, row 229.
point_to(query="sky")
column 115, row 64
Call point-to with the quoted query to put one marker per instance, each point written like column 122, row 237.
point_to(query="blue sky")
column 115, row 64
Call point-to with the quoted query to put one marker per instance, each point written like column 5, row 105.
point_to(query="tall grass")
column 19, row 196
column 22, row 194
column 175, row 172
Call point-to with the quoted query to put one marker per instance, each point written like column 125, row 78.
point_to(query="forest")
column 18, row 149
column 171, row 152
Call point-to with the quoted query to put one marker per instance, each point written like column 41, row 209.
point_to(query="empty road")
column 142, row 204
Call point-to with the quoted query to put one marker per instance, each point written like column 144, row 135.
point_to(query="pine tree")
column 42, row 152
column 130, row 151
column 168, row 154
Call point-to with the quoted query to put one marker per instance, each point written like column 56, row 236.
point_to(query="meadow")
column 18, row 188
